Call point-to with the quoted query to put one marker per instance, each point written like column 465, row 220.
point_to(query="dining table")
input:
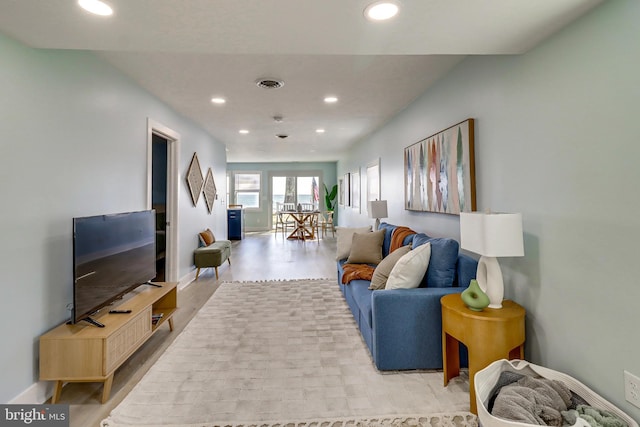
column 304, row 220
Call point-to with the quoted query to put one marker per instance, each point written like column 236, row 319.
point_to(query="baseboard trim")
column 37, row 393
column 187, row 279
column 256, row 229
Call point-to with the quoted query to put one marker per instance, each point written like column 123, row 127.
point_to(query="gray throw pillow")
column 381, row 273
column 366, row 248
column 344, row 237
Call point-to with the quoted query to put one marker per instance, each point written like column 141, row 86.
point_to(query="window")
column 307, row 190
column 295, row 189
column 247, row 189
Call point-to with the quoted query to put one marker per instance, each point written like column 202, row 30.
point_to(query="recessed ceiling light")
column 218, row 100
column 270, row 83
column 381, row 10
column 96, row 7
column 330, row 99
column 319, row 130
column 243, row 131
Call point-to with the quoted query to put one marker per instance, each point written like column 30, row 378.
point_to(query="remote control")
column 119, row 311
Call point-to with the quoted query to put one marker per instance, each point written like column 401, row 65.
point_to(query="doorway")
column 293, row 189
column 162, row 195
column 159, row 154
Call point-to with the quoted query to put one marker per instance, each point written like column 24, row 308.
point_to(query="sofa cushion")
column 366, row 248
column 381, row 273
column 222, row 243
column 389, row 229
column 359, row 289
column 467, row 268
column 206, row 237
column 344, row 238
column 216, row 247
column 442, row 264
column 410, row 269
column 213, row 249
column 388, row 232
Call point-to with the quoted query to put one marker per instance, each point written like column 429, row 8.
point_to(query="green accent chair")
column 213, row 255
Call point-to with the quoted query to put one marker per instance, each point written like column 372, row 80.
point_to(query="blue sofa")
column 403, row 327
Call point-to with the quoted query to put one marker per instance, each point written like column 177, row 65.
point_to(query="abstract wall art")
column 439, row 172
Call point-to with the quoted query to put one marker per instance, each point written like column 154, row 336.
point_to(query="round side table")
column 489, row 335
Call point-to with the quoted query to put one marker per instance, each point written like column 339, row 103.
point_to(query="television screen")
column 112, row 254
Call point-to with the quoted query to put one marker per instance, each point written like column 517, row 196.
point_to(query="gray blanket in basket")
column 534, row 401
column 542, row 401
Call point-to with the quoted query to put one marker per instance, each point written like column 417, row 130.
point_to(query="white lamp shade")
column 492, row 234
column 378, row 209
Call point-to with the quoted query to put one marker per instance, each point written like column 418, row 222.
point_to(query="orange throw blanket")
column 356, row 271
column 398, row 236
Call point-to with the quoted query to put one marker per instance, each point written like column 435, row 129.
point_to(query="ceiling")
column 187, row 51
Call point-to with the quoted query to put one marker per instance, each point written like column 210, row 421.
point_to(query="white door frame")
column 297, row 174
column 173, row 160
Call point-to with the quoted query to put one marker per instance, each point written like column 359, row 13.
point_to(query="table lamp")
column 377, row 210
column 491, row 235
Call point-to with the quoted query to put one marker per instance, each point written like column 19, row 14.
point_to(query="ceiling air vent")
column 269, row 83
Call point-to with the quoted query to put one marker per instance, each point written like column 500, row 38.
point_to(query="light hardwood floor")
column 259, row 256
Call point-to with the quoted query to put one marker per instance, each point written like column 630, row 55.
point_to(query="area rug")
column 288, row 354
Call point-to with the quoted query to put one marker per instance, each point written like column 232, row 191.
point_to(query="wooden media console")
column 86, row 353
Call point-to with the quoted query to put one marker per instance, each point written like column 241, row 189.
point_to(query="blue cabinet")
column 235, row 224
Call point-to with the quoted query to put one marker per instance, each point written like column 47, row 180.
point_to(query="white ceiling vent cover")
column 269, row 83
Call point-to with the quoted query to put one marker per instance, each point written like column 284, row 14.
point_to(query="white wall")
column 73, row 143
column 557, row 139
column 193, row 220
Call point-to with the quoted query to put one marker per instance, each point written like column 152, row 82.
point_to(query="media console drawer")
column 86, row 353
column 119, row 346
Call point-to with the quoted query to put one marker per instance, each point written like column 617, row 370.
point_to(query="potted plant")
column 330, row 197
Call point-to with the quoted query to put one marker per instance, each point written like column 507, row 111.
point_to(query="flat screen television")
column 112, row 255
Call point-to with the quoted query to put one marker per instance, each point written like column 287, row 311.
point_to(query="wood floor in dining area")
column 258, row 256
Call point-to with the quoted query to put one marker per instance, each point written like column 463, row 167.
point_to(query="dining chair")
column 314, row 225
column 326, row 223
column 283, row 220
column 279, row 222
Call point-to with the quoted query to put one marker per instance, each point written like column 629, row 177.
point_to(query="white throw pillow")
column 344, row 238
column 410, row 268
